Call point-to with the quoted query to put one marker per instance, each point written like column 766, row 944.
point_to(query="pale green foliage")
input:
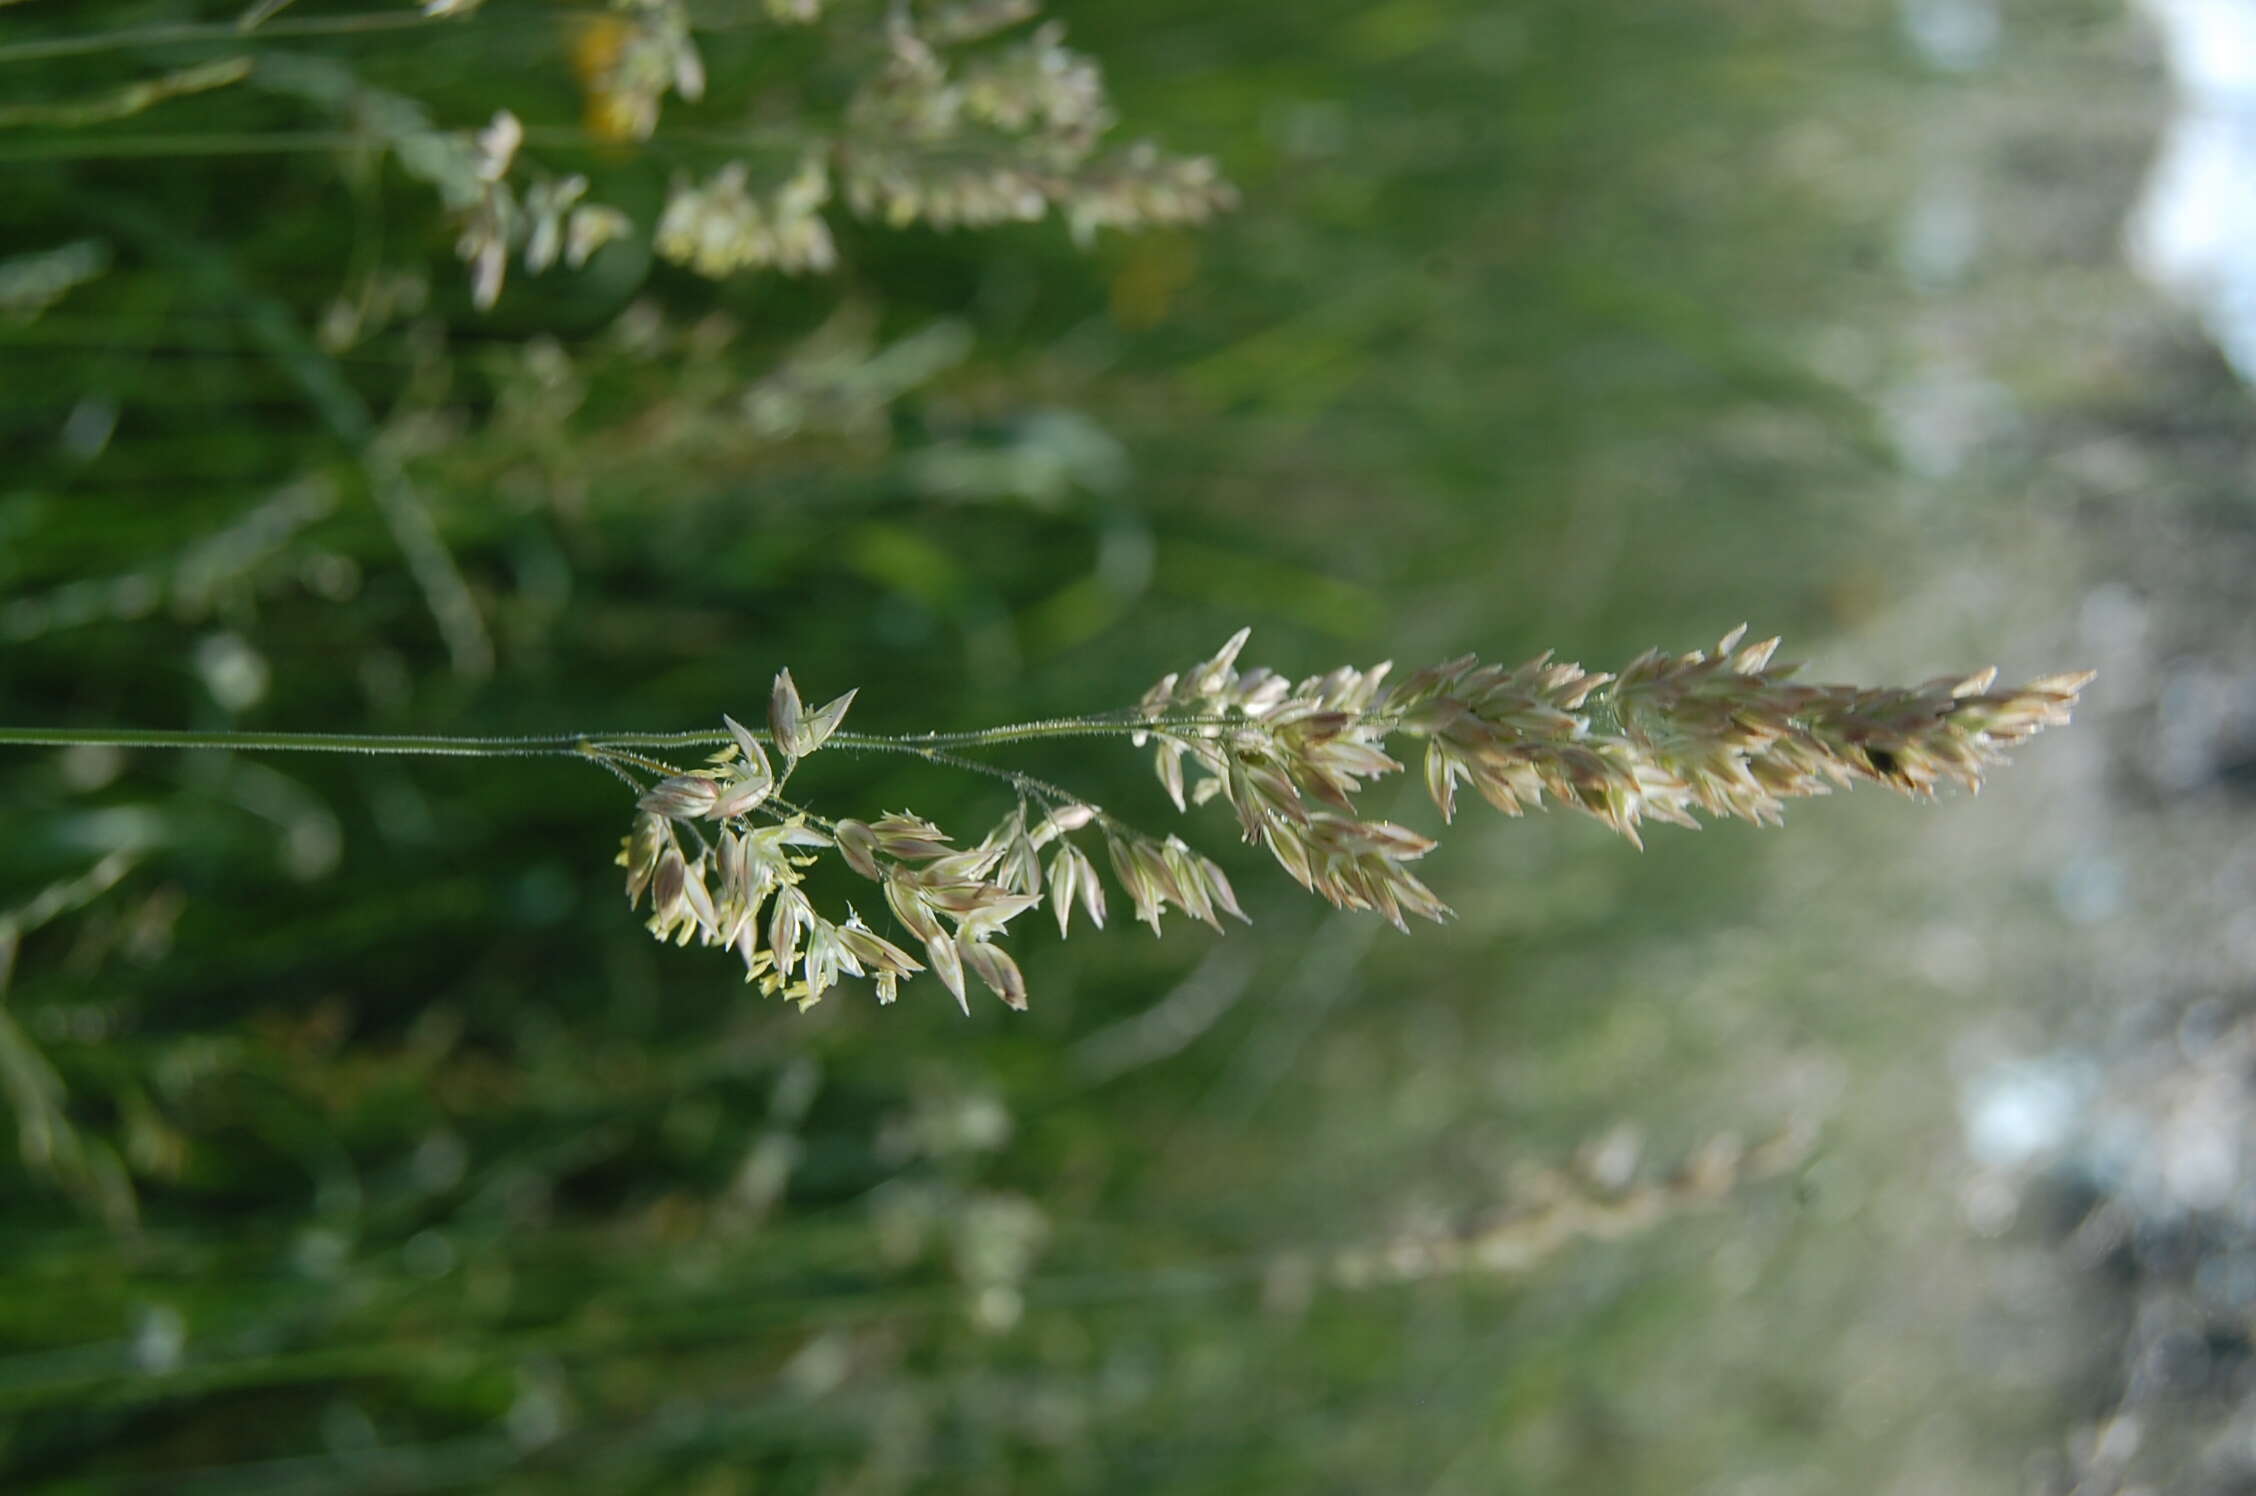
column 46, row 1136
column 31, row 283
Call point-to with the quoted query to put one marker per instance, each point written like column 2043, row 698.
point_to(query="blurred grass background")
column 368, row 1145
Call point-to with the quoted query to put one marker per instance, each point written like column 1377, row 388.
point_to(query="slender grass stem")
column 291, row 742
column 933, row 746
column 160, row 145
column 1100, row 726
column 225, row 31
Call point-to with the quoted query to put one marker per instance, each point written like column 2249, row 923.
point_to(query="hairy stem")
column 594, row 745
column 1114, row 725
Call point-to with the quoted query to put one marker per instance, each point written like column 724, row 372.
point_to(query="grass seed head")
column 1721, row 733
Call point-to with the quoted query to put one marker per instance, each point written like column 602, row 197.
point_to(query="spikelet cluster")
column 628, row 59
column 718, row 227
column 1723, row 732
column 545, row 222
column 738, row 884
column 1289, row 760
column 1557, row 1208
column 739, row 887
column 1004, row 137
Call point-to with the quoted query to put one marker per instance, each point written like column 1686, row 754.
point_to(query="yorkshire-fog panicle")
column 723, row 849
column 1724, row 731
